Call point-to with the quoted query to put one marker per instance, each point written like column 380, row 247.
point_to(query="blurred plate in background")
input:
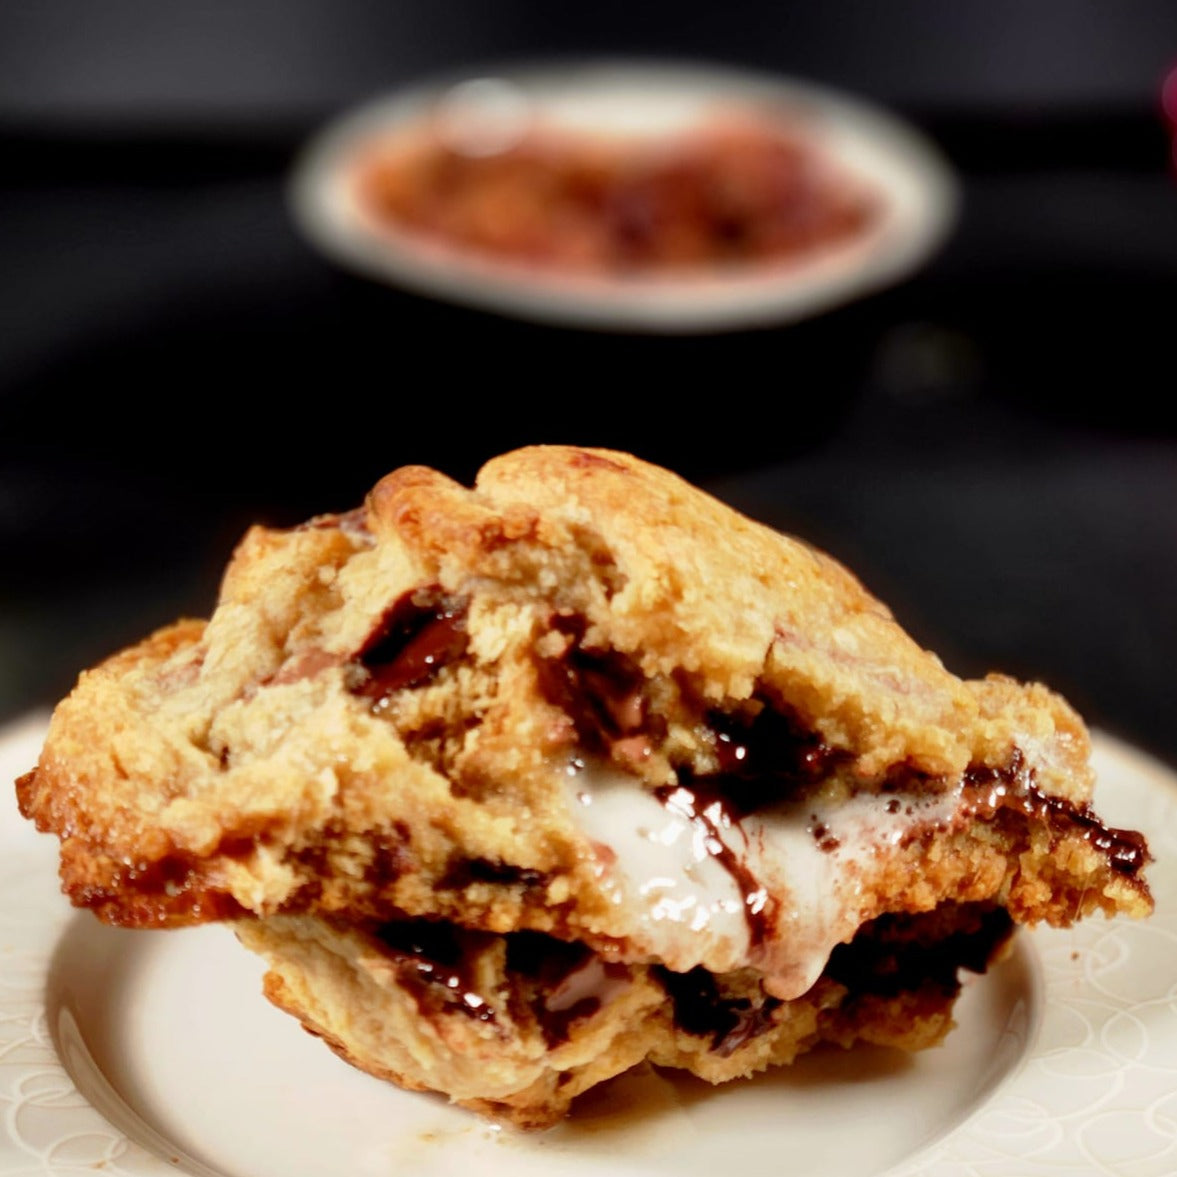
column 702, row 198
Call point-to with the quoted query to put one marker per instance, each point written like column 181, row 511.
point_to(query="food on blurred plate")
column 640, row 196
column 732, row 187
column 518, row 786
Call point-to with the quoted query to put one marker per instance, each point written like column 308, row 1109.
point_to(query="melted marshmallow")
column 777, row 889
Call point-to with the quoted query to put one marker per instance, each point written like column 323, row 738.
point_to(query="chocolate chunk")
column 700, row 1009
column 569, row 980
column 433, row 963
column 900, row 953
column 422, row 632
column 601, row 691
column 766, row 760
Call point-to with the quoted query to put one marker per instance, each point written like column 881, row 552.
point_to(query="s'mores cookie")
column 520, row 785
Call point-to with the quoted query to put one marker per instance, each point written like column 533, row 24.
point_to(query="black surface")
column 991, row 444
column 142, row 62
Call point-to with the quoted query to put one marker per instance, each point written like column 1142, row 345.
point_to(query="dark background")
column 990, row 444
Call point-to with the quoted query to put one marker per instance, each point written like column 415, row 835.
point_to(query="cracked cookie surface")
column 586, row 703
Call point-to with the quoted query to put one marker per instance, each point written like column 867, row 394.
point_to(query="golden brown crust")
column 198, row 744
column 382, row 718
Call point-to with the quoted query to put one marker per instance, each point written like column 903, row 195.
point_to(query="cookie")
column 517, row 786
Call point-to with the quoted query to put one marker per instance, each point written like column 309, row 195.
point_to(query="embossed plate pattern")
column 140, row 1054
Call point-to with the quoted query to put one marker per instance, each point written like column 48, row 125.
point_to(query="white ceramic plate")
column 918, row 197
column 143, row 1054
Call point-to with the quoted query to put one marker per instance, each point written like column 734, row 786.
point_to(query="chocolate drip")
column 709, row 807
column 700, row 1009
column 422, row 631
column 433, row 963
column 825, row 840
column 761, row 763
column 1011, row 787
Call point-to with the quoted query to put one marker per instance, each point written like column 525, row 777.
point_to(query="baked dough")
column 519, row 785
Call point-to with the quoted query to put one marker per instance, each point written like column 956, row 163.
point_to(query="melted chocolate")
column 700, row 1009
column 761, row 764
column 462, row 872
column 766, row 761
column 901, row 953
column 419, row 634
column 599, row 690
column 888, row 956
column 1011, row 787
column 548, row 963
column 433, row 960
column 543, row 958
column 603, row 692
column 826, row 841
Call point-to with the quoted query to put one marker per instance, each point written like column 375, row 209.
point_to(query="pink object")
column 1169, row 107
